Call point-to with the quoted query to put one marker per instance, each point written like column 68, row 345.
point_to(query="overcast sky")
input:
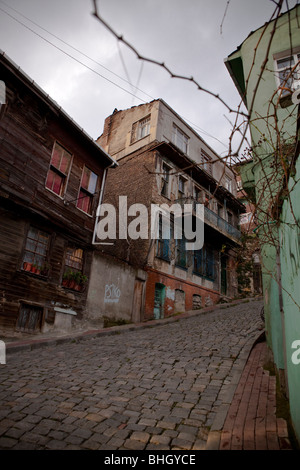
column 82, row 66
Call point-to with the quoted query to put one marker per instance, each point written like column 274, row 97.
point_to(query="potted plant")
column 45, row 268
column 66, row 278
column 33, row 268
column 77, row 280
column 27, row 266
column 37, row 269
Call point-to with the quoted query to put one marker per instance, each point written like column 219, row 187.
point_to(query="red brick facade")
column 172, row 284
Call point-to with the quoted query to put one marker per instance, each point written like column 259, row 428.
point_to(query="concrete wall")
column 111, row 289
column 290, row 268
column 116, row 137
column 166, row 118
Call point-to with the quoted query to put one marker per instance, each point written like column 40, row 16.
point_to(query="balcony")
column 221, row 224
column 214, row 220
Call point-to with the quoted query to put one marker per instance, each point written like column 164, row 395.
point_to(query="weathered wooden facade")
column 51, row 176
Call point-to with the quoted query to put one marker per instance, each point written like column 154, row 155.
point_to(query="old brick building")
column 163, row 161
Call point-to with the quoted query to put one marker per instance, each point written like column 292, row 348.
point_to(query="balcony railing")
column 213, row 219
column 221, row 224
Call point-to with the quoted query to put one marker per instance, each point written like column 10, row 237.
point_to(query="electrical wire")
column 128, row 81
column 72, row 57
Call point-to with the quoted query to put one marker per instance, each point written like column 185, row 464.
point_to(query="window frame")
column 73, row 275
column 206, row 260
column 282, row 83
column 31, row 266
column 58, row 172
column 165, row 180
column 143, row 124
column 181, row 192
column 206, row 160
column 181, row 260
column 228, row 183
column 137, row 129
column 87, row 192
column 180, row 139
column 163, row 245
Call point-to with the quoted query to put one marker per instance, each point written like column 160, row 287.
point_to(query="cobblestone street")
column 161, row 387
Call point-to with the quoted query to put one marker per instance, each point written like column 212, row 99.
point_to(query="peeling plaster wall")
column 111, row 289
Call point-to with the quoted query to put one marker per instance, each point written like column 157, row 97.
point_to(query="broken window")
column 204, row 262
column 181, row 254
column 165, row 180
column 228, row 183
column 140, row 129
column 35, row 253
column 181, row 187
column 87, row 190
column 206, row 162
column 180, row 139
column 144, row 128
column 59, row 170
column 288, row 73
column 164, row 237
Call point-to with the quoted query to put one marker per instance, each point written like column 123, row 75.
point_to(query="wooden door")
column 137, row 301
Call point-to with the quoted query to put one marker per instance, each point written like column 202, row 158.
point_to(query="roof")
column 42, row 95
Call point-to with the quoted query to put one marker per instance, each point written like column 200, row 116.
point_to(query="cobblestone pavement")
column 155, row 388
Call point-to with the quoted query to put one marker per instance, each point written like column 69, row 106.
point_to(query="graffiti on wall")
column 112, row 293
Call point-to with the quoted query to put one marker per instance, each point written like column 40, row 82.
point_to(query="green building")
column 265, row 69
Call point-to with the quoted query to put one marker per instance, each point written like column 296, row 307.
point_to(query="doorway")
column 137, row 301
column 30, row 319
column 159, row 300
column 223, row 275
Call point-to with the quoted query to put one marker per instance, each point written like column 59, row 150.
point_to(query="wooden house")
column 51, row 179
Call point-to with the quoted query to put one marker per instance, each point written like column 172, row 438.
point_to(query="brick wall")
column 171, row 283
column 134, row 178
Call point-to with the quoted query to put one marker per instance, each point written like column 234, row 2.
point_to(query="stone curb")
column 214, row 436
column 33, row 344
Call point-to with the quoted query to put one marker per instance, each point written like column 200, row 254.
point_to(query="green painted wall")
column 290, row 268
column 280, row 241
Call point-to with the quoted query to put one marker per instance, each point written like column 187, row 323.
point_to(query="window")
column 181, row 187
column 204, row 262
column 197, row 194
column 140, row 129
column 180, row 139
column 239, row 184
column 229, row 217
column 163, row 241
column 165, row 180
column 35, row 253
column 87, row 190
column 59, row 170
column 206, row 162
column 219, row 210
column 197, row 197
column 181, row 255
column 288, row 73
column 144, row 128
column 73, row 277
column 228, row 183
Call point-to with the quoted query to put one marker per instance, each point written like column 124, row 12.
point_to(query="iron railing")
column 213, row 219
